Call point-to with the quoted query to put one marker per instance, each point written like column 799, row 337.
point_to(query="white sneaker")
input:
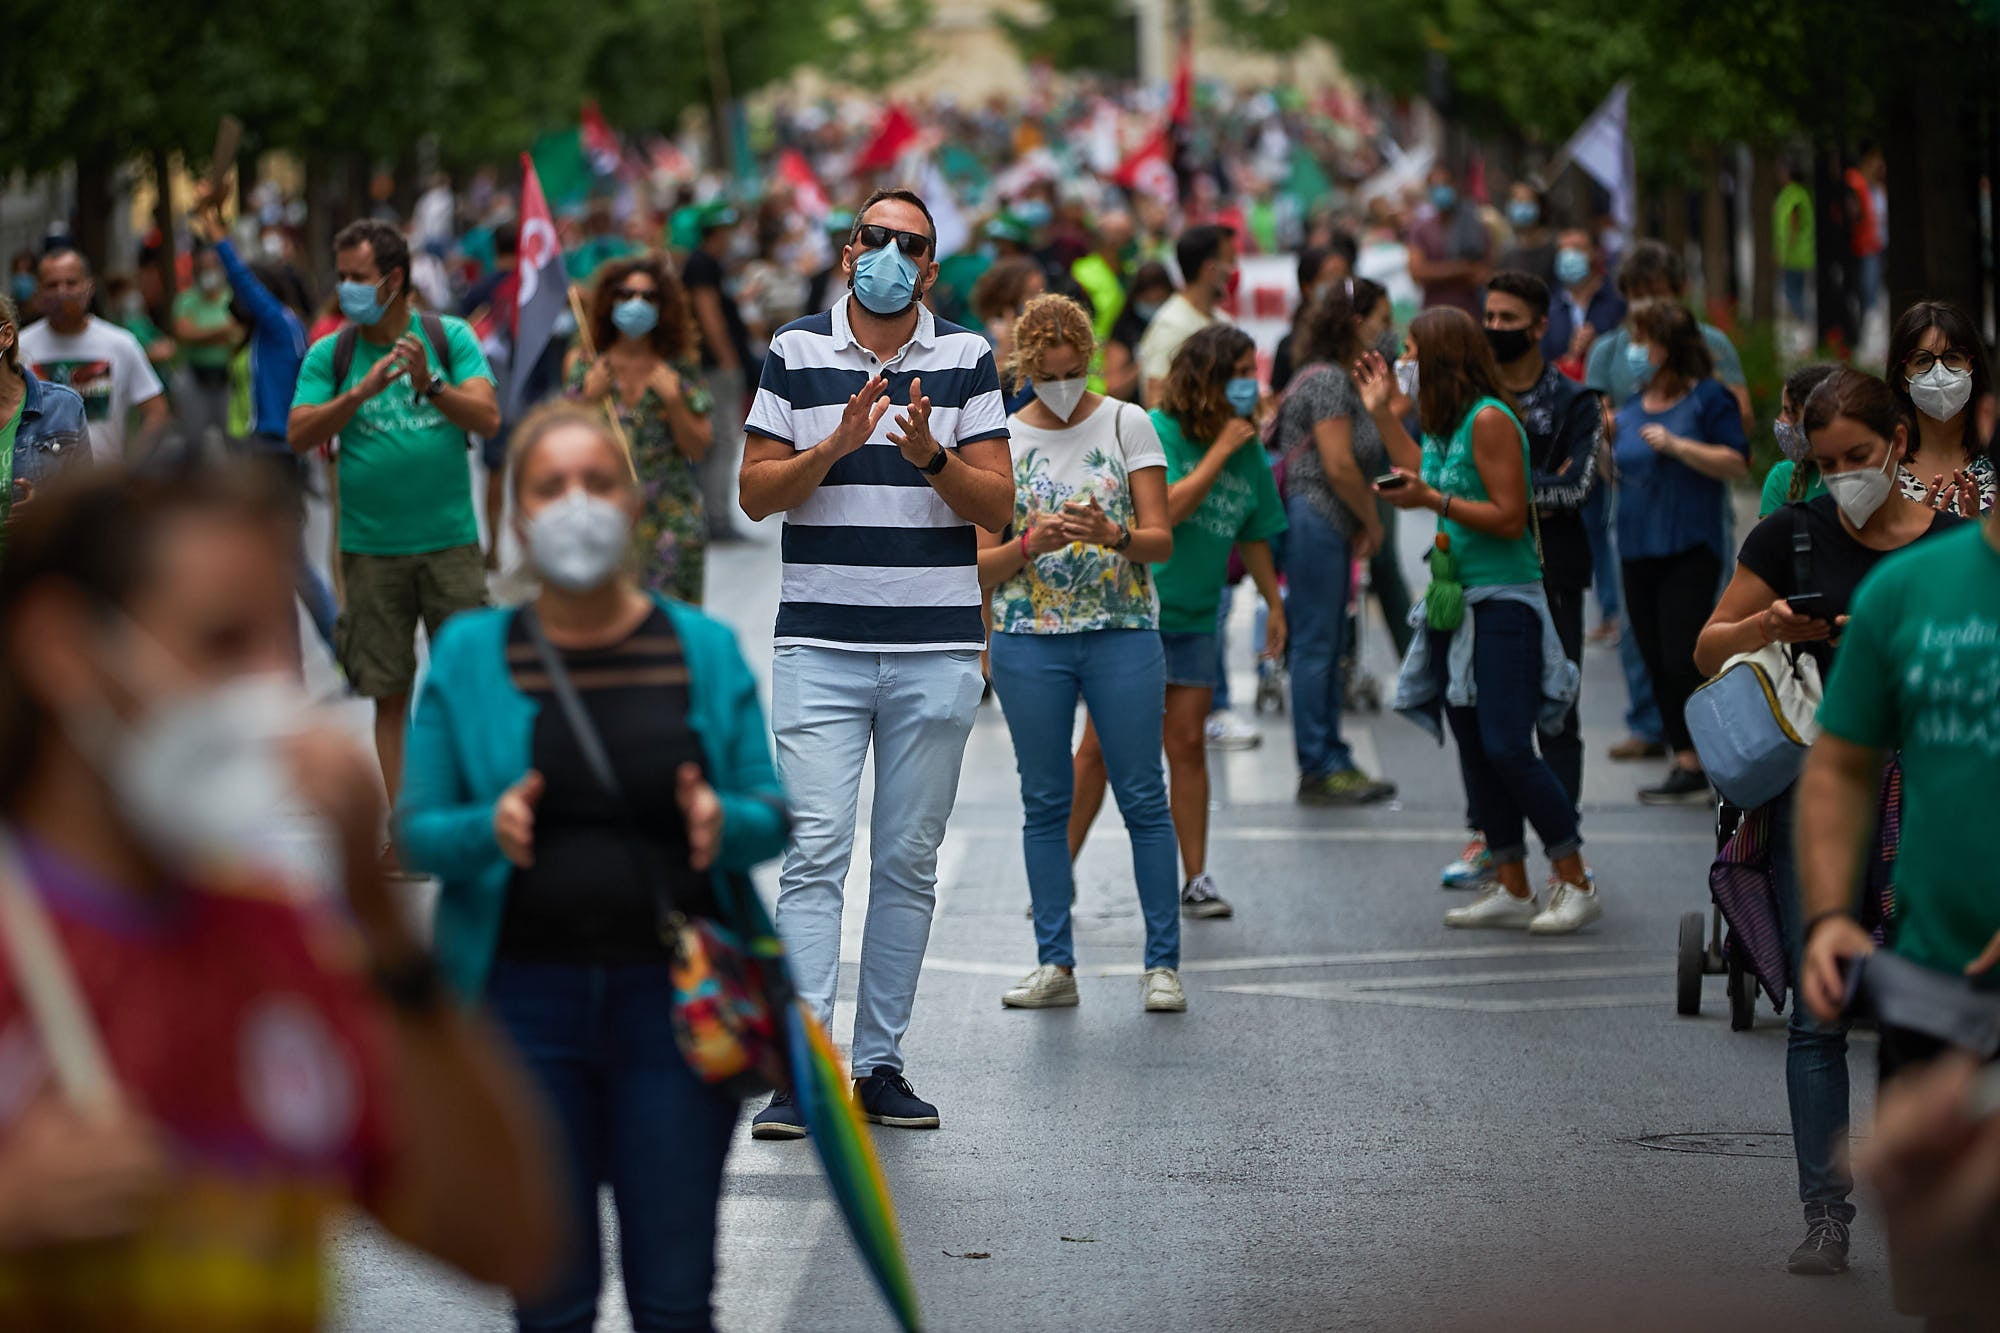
column 1571, row 908
column 1226, row 731
column 1162, row 991
column 1495, row 909
column 1047, row 987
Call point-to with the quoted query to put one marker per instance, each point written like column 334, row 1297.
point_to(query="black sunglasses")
column 637, row 294
column 915, row 244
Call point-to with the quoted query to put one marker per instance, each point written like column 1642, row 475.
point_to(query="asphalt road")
column 1364, row 1120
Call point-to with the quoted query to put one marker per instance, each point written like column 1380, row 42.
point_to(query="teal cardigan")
column 472, row 736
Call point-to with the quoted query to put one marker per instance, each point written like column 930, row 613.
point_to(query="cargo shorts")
column 387, row 595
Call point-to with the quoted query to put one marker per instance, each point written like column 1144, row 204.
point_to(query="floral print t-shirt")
column 1079, row 587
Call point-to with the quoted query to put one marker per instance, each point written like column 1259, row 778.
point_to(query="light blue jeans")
column 827, row 705
column 1120, row 674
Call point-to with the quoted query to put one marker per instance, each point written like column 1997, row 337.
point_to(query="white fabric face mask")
column 579, row 541
column 1939, row 393
column 1061, row 396
column 204, row 780
column 1860, row 494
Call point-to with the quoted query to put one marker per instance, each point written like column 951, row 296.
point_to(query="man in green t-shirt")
column 409, row 540
column 1792, row 237
column 207, row 335
column 1915, row 677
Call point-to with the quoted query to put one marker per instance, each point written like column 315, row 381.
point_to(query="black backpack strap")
column 343, row 355
column 433, row 327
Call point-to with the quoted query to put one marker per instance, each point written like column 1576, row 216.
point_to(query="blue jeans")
column 1603, row 552
column 827, row 706
column 599, row 1043
column 1815, row 1054
column 1509, row 783
column 1642, row 713
column 1120, row 674
column 1320, row 577
column 1794, row 282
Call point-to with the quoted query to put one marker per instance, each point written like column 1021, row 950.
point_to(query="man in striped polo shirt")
column 878, row 430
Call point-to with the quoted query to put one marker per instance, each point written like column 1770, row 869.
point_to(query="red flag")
column 807, row 195
column 600, row 145
column 544, row 286
column 1149, row 169
column 894, row 133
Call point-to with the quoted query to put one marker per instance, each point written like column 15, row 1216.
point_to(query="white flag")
column 1603, row 149
column 953, row 232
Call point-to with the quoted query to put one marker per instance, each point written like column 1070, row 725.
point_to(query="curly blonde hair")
column 1048, row 322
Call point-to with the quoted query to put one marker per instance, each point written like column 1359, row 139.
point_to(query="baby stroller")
column 1360, row 691
column 1703, row 949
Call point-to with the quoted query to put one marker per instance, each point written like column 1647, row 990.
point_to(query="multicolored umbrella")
column 824, row 1092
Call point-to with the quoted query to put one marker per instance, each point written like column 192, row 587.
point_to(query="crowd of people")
column 1041, row 472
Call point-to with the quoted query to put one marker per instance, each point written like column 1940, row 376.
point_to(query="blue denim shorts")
column 1193, row 659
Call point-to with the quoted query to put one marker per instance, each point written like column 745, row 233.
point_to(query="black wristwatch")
column 936, row 465
column 434, row 388
column 1124, row 539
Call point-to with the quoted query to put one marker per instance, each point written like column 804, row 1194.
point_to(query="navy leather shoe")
column 888, row 1099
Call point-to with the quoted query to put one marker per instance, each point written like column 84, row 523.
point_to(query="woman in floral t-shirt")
column 647, row 376
column 1075, row 615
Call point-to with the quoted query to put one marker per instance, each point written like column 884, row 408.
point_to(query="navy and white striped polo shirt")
column 875, row 560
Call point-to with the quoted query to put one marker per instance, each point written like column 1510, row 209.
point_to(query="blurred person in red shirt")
column 248, row 1077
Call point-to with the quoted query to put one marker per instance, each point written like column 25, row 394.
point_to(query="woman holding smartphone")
column 1075, row 616
column 1857, row 438
column 1472, row 471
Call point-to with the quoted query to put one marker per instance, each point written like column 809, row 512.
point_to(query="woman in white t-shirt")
column 1075, row 616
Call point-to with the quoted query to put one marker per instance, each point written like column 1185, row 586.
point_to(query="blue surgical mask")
column 636, row 317
column 1034, row 212
column 1523, row 212
column 359, row 302
column 1145, row 310
column 1572, row 266
column 24, row 287
column 1443, row 198
column 1242, row 394
column 1639, row 362
column 885, row 280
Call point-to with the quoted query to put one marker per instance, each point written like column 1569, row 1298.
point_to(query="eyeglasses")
column 914, row 243
column 637, row 294
column 1920, row 362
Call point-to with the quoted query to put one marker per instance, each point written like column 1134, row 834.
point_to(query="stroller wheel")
column 1742, row 996
column 1689, row 965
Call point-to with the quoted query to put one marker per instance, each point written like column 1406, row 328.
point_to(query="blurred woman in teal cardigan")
column 553, row 889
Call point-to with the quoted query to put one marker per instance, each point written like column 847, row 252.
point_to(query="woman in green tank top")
column 1472, row 471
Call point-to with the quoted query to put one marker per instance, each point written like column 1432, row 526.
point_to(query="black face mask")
column 1509, row 345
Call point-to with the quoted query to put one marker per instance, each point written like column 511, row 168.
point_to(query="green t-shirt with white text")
column 405, row 483
column 1918, row 672
column 1242, row 506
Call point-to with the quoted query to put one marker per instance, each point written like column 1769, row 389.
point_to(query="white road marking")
column 1281, row 962
column 1462, row 1004
column 1451, row 836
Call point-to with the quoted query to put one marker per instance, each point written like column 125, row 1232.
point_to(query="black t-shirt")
column 1836, row 565
column 591, row 897
column 703, row 269
column 1563, row 424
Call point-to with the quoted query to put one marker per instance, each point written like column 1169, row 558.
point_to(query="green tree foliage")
column 1097, row 35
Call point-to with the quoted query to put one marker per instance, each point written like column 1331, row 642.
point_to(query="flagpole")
column 589, row 345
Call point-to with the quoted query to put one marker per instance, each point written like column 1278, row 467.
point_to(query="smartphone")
column 1806, row 604
column 1389, row 481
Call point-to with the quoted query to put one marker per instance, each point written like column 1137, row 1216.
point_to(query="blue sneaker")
column 888, row 1099
column 779, row 1120
column 1473, row 869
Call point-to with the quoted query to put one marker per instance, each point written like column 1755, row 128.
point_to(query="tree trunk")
column 1933, row 182
column 322, row 188
column 91, row 230
column 163, row 222
column 1763, row 277
column 1714, row 237
column 1830, row 203
column 1674, row 218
